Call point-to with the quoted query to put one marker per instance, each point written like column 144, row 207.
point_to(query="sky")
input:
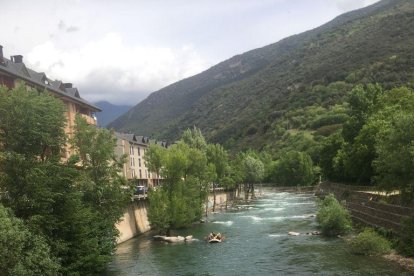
column 122, row 50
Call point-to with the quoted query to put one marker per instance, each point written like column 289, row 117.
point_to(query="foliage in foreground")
column 406, row 242
column 333, row 218
column 22, row 252
column 370, row 243
column 72, row 205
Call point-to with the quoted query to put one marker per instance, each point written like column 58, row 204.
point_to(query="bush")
column 333, row 218
column 406, row 242
column 370, row 243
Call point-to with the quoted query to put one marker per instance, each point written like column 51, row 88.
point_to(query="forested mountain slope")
column 240, row 101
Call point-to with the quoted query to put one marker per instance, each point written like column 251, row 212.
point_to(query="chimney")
column 67, row 85
column 1, row 55
column 17, row 59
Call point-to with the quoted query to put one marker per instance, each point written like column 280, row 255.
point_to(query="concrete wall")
column 134, row 221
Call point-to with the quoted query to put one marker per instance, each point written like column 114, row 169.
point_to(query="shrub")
column 369, row 242
column 406, row 242
column 333, row 218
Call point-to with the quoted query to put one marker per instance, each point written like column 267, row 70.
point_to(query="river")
column 256, row 243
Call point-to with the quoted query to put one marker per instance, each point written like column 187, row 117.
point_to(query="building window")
column 133, row 173
column 139, row 161
column 140, row 174
column 131, row 150
column 132, row 162
column 139, row 152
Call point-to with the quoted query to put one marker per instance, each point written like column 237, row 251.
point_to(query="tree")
column 358, row 150
column 105, row 192
column 31, row 123
column 333, row 218
column 329, row 150
column 294, row 168
column 217, row 156
column 194, row 139
column 175, row 205
column 153, row 160
column 395, row 162
column 253, row 173
column 394, row 142
column 22, row 252
column 363, row 101
column 73, row 205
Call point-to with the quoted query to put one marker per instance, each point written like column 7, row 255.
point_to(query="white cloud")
column 112, row 70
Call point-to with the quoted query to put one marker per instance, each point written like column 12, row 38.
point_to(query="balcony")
column 89, row 119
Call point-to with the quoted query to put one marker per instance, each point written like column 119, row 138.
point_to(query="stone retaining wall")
column 367, row 206
column 135, row 219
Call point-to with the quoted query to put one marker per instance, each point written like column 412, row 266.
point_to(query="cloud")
column 110, row 69
column 62, row 27
column 347, row 5
column 72, row 29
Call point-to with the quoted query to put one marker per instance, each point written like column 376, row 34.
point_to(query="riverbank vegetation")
column 405, row 244
column 57, row 216
column 191, row 168
column 370, row 243
column 333, row 218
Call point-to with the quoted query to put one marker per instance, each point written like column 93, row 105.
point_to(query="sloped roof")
column 130, row 137
column 20, row 71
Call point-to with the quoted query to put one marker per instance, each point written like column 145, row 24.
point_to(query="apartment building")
column 135, row 169
column 14, row 72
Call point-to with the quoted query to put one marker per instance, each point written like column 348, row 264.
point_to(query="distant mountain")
column 109, row 112
column 238, row 101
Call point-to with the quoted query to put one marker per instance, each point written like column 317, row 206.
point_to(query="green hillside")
column 252, row 100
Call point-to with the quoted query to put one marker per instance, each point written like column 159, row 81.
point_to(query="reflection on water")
column 256, row 244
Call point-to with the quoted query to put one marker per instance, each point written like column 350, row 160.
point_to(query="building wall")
column 135, row 168
column 134, row 221
column 135, row 218
column 72, row 108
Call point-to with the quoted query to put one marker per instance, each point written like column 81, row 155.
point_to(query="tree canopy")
column 70, row 208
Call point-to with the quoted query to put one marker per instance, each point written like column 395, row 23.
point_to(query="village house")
column 14, row 72
column 135, row 168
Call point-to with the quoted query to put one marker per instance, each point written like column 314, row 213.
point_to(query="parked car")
column 140, row 190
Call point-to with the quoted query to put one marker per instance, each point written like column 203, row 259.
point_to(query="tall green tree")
column 329, row 150
column 73, row 205
column 217, row 156
column 253, row 172
column 153, row 159
column 394, row 144
column 358, row 152
column 194, row 139
column 294, row 169
column 178, row 202
column 31, row 123
column 22, row 252
column 104, row 191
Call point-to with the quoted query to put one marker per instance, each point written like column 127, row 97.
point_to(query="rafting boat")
column 214, row 238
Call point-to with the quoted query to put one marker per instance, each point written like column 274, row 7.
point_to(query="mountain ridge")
column 109, row 112
column 236, row 98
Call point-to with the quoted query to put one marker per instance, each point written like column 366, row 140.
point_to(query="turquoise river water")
column 256, row 243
